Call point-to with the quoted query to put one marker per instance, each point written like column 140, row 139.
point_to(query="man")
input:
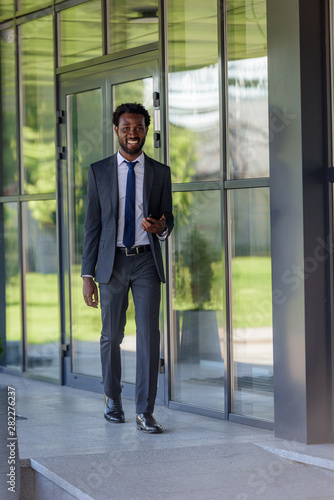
column 128, row 213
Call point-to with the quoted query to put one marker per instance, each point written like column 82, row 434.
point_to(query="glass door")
column 85, row 145
column 89, row 103
column 134, row 91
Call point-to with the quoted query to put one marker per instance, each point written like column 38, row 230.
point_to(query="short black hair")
column 131, row 107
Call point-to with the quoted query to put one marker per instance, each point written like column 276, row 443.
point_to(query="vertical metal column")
column 299, row 145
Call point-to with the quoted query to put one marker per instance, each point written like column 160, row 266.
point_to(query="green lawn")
column 251, row 292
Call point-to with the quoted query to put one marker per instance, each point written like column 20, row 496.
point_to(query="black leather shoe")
column 147, row 423
column 113, row 411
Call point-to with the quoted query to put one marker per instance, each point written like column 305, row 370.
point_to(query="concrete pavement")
column 69, row 451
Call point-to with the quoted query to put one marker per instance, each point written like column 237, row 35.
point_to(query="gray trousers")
column 139, row 273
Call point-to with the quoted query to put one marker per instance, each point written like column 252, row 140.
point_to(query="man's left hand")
column 153, row 225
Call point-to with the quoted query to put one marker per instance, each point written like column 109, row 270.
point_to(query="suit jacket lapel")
column 148, row 183
column 113, row 185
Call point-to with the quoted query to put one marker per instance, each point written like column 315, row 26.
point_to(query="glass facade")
column 84, row 145
column 248, row 127
column 193, row 86
column 6, row 9
column 195, row 156
column 29, row 253
column 9, row 163
column 75, row 23
column 38, row 122
column 11, row 285
column 252, row 351
column 133, row 23
column 33, row 4
column 217, row 329
column 249, row 211
column 198, row 350
column 41, row 288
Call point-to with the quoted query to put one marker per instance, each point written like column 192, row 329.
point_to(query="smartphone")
column 154, row 217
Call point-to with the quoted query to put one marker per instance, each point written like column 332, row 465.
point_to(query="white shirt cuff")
column 163, row 236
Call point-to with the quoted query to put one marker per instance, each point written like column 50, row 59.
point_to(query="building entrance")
column 88, row 102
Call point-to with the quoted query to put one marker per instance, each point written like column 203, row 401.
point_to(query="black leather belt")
column 133, row 250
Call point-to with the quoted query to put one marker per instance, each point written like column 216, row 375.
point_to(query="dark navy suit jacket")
column 102, row 214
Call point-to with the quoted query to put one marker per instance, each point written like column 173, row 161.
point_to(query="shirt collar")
column 121, row 159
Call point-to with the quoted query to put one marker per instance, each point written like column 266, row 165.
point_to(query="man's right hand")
column 90, row 292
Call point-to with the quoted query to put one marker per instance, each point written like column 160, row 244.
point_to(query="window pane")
column 6, row 9
column 31, row 4
column 38, row 106
column 133, row 23
column 193, row 90
column 9, row 166
column 85, row 146
column 198, row 328
column 247, row 89
column 10, row 286
column 41, row 280
column 252, row 347
column 75, row 24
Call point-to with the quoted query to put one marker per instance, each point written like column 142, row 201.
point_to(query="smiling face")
column 131, row 133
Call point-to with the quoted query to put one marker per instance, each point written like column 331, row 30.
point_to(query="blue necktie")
column 129, row 214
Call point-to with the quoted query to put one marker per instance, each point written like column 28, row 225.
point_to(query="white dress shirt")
column 141, row 236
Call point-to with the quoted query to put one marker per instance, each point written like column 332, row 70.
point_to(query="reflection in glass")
column 38, row 106
column 133, row 23
column 193, row 90
column 6, row 9
column 11, row 285
column 252, row 345
column 9, row 167
column 81, row 32
column 85, row 146
column 30, row 4
column 198, row 328
column 247, row 89
column 136, row 91
column 41, row 280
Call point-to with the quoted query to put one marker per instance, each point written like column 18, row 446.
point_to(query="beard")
column 132, row 150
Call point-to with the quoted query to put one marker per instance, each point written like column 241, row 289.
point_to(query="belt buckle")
column 131, row 254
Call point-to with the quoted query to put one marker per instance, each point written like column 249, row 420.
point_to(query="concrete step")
column 40, row 483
